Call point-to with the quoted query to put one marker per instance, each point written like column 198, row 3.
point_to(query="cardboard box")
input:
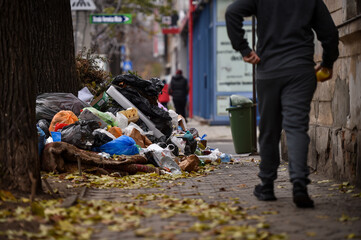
column 131, row 114
column 99, row 101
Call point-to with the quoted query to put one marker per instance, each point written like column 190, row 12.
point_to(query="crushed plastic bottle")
column 225, row 157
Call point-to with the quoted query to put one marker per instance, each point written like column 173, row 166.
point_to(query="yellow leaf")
column 262, row 225
column 143, row 232
column 356, row 195
column 351, row 236
column 324, row 181
column 311, row 234
column 6, row 196
column 37, row 209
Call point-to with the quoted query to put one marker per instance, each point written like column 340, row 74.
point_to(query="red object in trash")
column 60, row 126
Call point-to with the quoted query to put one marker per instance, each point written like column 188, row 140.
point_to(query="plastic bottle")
column 225, row 157
column 322, row 74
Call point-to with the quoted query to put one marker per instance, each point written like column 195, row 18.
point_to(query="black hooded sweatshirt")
column 285, row 40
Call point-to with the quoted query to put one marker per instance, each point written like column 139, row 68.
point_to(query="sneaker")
column 301, row 197
column 264, row 192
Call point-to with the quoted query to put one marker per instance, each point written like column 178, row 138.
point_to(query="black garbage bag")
column 150, row 158
column 142, row 125
column 190, row 148
column 100, row 139
column 160, row 117
column 151, row 87
column 44, row 125
column 80, row 134
column 49, row 104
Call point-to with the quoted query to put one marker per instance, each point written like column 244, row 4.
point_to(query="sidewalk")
column 214, row 133
column 336, row 214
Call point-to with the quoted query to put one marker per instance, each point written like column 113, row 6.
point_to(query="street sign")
column 111, row 18
column 82, row 5
column 127, row 66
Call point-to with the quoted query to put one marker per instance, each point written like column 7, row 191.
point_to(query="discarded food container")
column 240, row 115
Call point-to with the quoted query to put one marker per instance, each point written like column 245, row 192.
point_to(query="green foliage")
column 147, row 7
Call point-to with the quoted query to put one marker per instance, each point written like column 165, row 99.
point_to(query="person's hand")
column 252, row 58
column 325, row 70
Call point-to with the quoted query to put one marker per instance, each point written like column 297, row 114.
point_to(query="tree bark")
column 18, row 136
column 53, row 57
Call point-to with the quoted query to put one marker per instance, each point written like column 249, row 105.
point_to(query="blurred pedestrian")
column 163, row 98
column 178, row 89
column 286, row 80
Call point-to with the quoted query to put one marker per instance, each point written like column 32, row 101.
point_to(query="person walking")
column 286, row 80
column 163, row 98
column 178, row 89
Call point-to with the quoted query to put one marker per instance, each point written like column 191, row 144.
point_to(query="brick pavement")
column 237, row 181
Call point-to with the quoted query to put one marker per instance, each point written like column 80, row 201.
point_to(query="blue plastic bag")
column 123, row 145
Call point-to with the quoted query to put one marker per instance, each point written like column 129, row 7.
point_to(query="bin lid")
column 240, row 101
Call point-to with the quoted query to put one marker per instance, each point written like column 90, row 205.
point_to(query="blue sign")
column 127, row 66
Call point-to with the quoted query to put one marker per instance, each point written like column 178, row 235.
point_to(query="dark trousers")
column 180, row 106
column 285, row 103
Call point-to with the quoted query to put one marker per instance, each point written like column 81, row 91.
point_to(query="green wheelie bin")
column 240, row 116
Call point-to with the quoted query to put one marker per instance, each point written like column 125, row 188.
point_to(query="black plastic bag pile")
column 49, row 104
column 144, row 94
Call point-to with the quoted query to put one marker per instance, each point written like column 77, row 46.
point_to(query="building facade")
column 335, row 118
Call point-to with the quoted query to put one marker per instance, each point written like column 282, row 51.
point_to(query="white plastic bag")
column 85, row 95
column 121, row 120
column 174, row 117
column 127, row 131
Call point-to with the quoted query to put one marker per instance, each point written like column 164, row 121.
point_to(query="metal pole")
column 254, row 132
column 190, row 51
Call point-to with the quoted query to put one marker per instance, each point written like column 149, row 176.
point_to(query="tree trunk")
column 52, row 39
column 18, row 136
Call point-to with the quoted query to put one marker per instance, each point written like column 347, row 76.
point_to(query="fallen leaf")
column 356, row 195
column 143, row 232
column 6, row 196
column 311, row 234
column 324, row 181
column 351, row 236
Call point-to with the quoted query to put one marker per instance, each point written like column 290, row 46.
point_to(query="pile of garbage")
column 124, row 129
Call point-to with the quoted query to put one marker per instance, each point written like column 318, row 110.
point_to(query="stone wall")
column 335, row 118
